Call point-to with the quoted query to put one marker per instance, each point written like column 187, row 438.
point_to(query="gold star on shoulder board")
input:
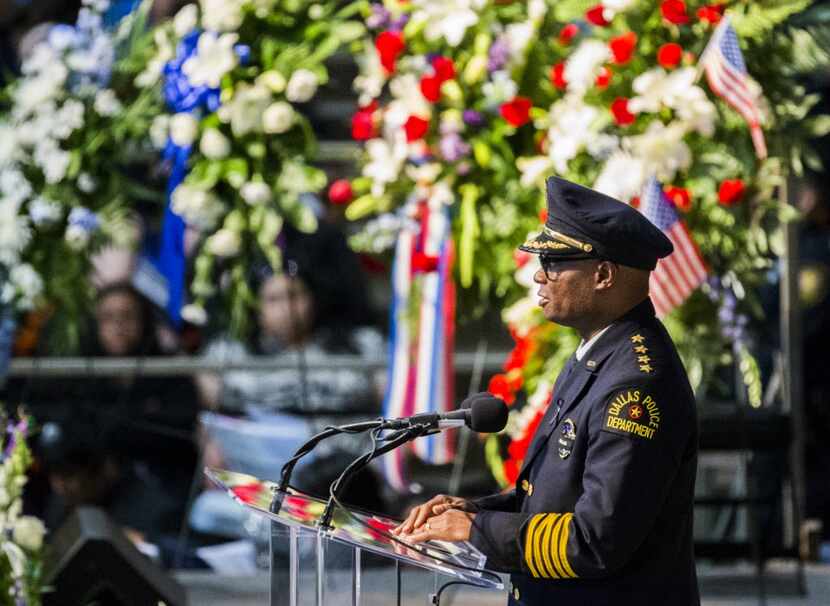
column 641, row 349
column 646, row 368
column 643, row 359
column 637, row 339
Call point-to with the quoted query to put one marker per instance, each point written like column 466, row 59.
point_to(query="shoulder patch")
column 633, row 412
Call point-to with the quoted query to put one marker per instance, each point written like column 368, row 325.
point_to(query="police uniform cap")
column 585, row 224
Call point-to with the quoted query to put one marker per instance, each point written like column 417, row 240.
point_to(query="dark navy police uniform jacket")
column 602, row 510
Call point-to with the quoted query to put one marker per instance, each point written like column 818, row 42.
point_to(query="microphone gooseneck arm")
column 398, row 438
column 308, row 446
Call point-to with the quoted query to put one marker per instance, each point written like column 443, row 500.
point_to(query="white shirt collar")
column 584, row 346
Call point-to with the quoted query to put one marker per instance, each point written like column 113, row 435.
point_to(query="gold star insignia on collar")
column 637, row 339
column 641, row 349
column 646, row 368
column 643, row 359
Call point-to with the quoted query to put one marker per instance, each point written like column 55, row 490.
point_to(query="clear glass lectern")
column 354, row 561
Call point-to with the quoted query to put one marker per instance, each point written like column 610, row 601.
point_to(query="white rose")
column 221, row 15
column 160, row 130
column 77, row 237
column 214, row 144
column 28, row 533
column 302, row 86
column 195, row 314
column 272, row 79
column 278, row 118
column 186, row 20
column 106, row 103
column 87, row 183
column 196, row 207
column 214, row 58
column 224, row 243
column 246, row 108
column 255, row 193
column 183, row 129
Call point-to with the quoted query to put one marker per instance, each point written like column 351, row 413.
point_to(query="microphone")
column 482, row 412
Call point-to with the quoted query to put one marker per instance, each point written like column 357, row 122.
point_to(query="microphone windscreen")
column 468, row 401
column 488, row 415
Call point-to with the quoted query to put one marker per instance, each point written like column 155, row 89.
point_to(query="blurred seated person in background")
column 125, row 443
column 311, row 311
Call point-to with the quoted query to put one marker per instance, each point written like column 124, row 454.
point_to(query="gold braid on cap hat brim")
column 583, row 246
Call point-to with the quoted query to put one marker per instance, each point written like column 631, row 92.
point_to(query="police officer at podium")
column 602, row 509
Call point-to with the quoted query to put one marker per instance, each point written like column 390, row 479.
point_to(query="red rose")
column 731, row 191
column 389, row 45
column 423, row 263
column 568, row 33
column 680, row 197
column 363, row 124
column 604, row 77
column 511, row 471
column 517, row 358
column 634, row 202
column 520, row 257
column 674, row 11
column 595, row 16
column 340, row 192
column 712, row 13
column 543, row 215
column 669, row 55
column 415, row 128
column 557, row 76
column 622, row 116
column 444, row 68
column 431, row 88
column 499, row 387
column 622, row 47
column 517, row 111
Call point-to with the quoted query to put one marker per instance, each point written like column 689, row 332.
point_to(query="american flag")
column 727, row 76
column 677, row 275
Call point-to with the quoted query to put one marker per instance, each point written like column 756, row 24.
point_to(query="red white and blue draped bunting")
column 422, row 334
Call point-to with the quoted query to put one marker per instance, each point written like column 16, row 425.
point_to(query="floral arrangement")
column 471, row 103
column 66, row 144
column 235, row 76
column 21, row 548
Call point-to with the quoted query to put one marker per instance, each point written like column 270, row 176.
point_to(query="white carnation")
column 183, row 129
column 448, row 19
column 246, row 108
column 622, row 176
column 160, row 130
column 186, row 20
column 224, row 243
column 221, row 15
column 106, row 103
column 214, row 58
column 255, row 193
column 273, row 80
column 195, row 314
column 301, row 86
column 214, row 144
column 278, row 118
column 43, row 211
column 27, row 283
column 661, row 149
column 583, row 65
column 28, row 533
column 197, row 207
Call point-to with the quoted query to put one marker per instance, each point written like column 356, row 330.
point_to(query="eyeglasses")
column 553, row 265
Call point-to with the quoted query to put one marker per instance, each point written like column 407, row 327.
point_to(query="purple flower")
column 453, row 147
column 499, row 54
column 379, row 17
column 398, row 24
column 472, row 118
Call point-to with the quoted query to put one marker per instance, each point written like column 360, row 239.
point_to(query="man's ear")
column 606, row 275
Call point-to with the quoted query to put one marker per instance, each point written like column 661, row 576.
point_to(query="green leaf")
column 469, row 232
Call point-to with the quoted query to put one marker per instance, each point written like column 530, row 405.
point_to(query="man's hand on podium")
column 441, row 518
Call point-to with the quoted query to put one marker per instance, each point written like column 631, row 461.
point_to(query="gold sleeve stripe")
column 553, row 547
column 537, row 537
column 534, row 521
column 543, row 550
column 563, row 545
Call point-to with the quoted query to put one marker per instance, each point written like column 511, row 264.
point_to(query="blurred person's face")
column 286, row 310
column 119, row 323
